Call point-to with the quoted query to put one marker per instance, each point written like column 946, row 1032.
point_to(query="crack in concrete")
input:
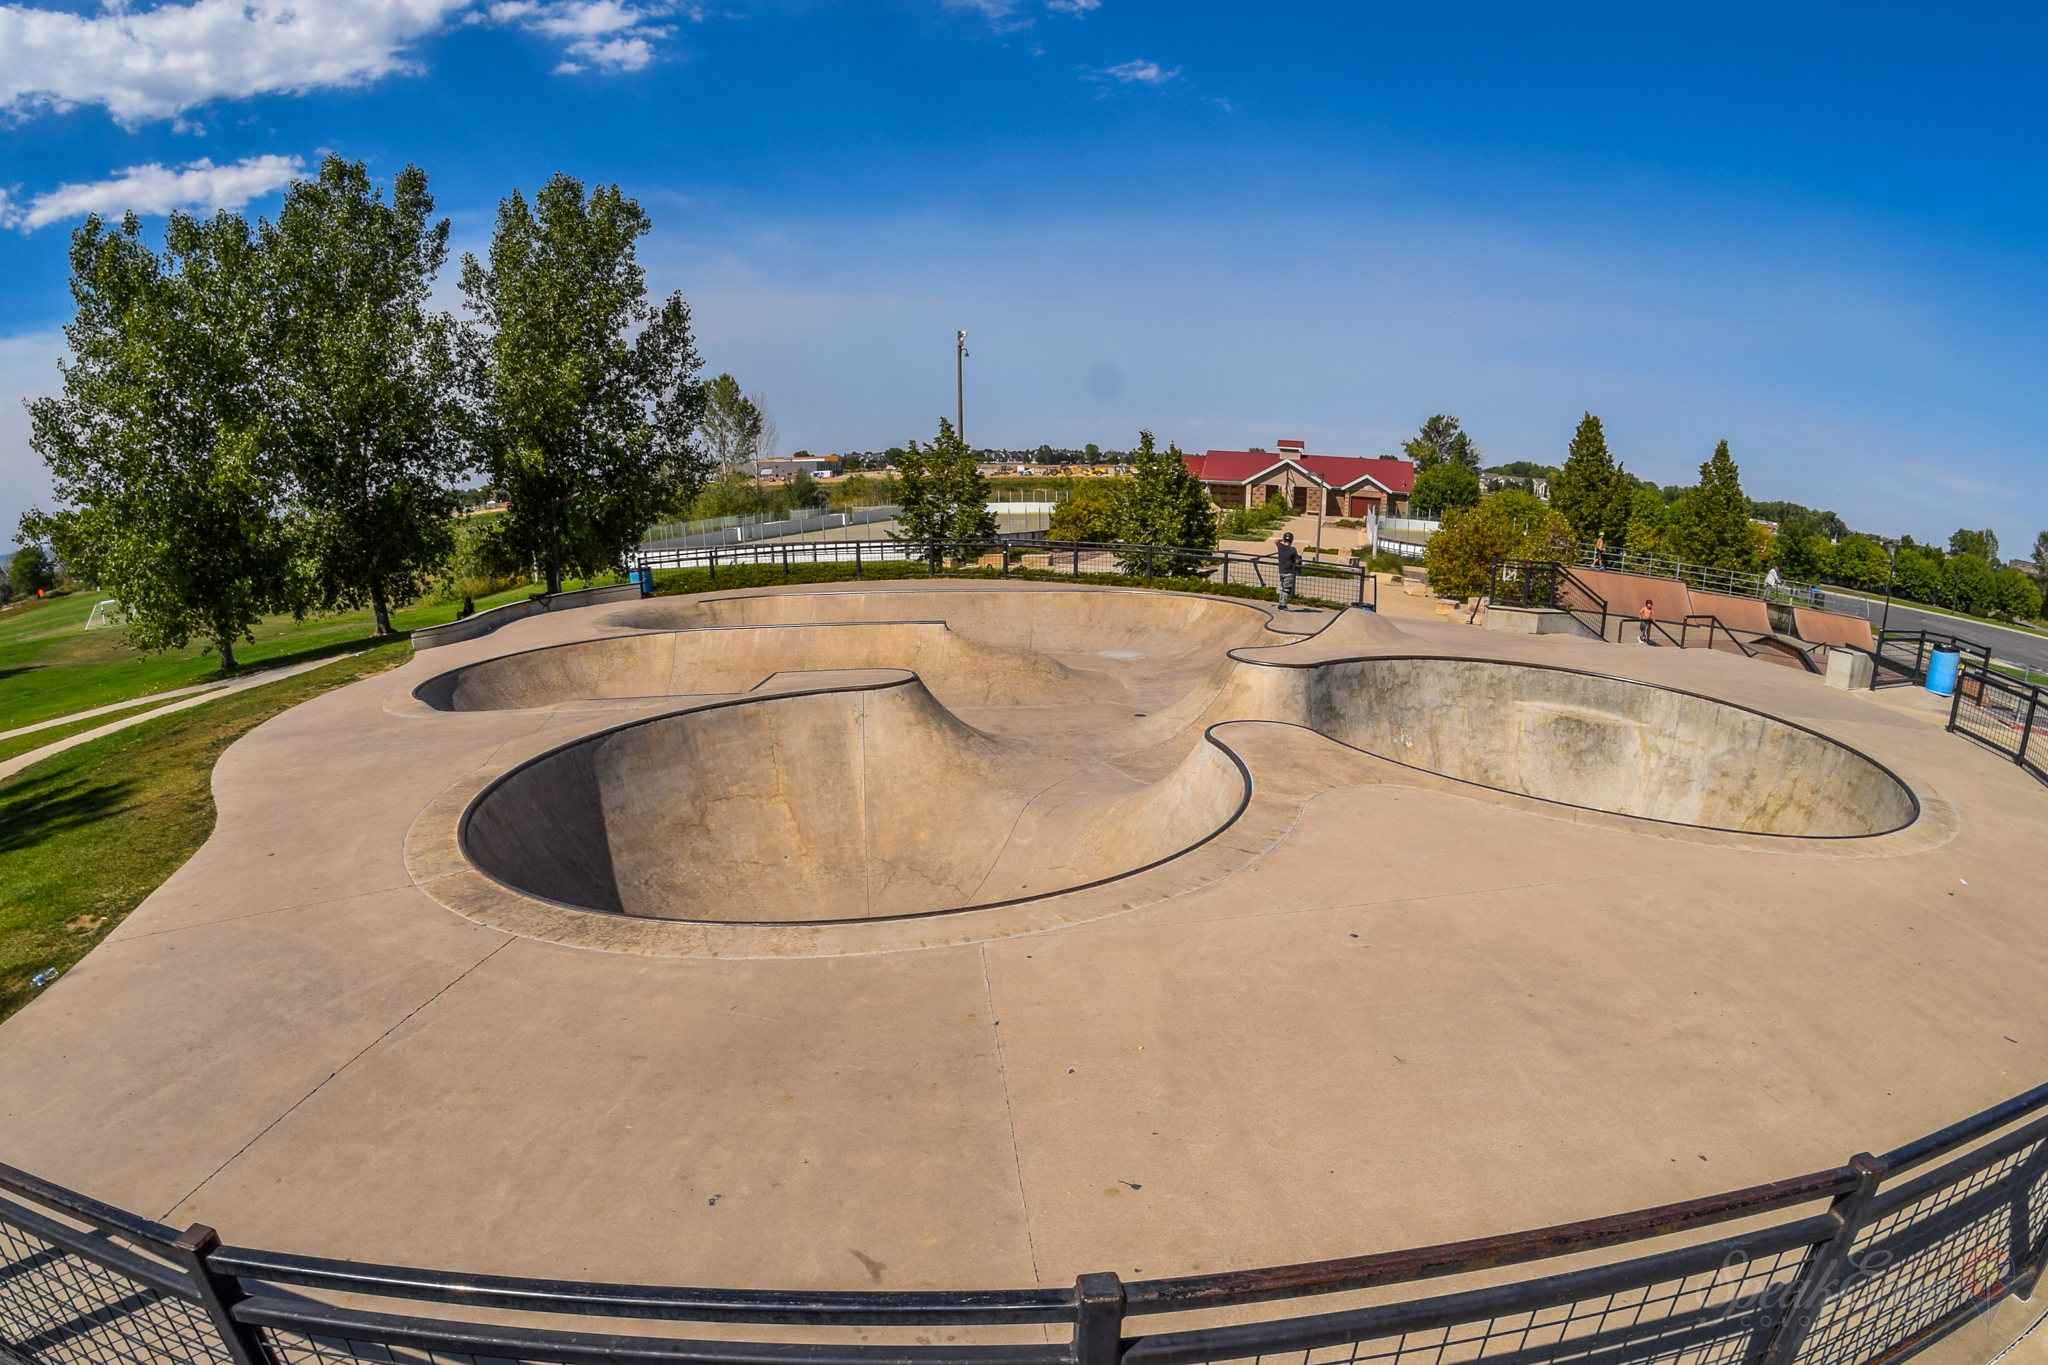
column 188, row 1196
column 1010, row 1117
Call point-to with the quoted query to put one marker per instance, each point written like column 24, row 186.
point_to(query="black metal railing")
column 2000, row 712
column 1335, row 582
column 1858, row 1265
column 1902, row 655
column 1534, row 583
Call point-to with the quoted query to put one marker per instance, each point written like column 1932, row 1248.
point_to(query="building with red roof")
column 1340, row 485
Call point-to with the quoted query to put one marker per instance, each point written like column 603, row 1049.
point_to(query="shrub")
column 1509, row 525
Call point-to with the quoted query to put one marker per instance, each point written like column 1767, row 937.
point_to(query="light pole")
column 960, row 386
column 1890, row 575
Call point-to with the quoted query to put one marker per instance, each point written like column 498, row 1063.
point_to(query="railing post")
column 714, row 568
column 219, row 1294
column 1822, row 1275
column 1098, row 1319
column 1955, row 702
column 2027, row 726
column 1148, row 563
column 856, row 559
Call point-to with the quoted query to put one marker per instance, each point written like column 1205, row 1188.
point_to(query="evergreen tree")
column 942, row 491
column 1713, row 525
column 1620, row 508
column 360, row 383
column 1161, row 503
column 1583, row 492
column 159, row 449
column 589, row 430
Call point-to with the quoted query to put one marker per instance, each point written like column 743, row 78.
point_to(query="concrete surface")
column 1383, row 1007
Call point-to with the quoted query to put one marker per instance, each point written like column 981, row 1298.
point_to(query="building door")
column 1300, row 499
column 1272, row 493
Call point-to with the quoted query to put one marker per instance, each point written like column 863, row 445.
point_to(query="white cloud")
column 156, row 189
column 157, row 63
column 603, row 33
column 1140, row 72
column 1009, row 15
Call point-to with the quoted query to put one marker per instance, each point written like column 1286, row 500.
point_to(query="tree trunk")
column 380, row 607
column 227, row 656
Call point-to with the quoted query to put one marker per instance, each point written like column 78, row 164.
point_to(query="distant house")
column 1337, row 485
column 1493, row 483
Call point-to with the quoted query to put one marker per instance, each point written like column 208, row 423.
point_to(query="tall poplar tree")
column 585, row 398
column 359, row 383
column 1713, row 525
column 164, row 465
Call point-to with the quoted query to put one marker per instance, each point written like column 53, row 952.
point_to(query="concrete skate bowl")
column 727, row 659
column 1605, row 744
column 842, row 804
column 1075, row 624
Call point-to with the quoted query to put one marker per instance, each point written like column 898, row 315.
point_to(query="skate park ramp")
column 959, row 670
column 1057, row 621
column 1603, row 743
column 846, row 804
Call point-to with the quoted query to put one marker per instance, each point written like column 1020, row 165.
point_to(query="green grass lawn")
column 50, row 665
column 87, row 834
column 36, row 739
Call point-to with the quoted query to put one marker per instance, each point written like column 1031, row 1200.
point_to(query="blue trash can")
column 1941, row 671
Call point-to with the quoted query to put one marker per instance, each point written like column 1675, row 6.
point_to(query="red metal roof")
column 1341, row 472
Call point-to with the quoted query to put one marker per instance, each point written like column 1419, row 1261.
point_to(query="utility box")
column 1850, row 669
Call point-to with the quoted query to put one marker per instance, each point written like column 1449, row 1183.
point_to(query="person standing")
column 1289, row 560
column 1600, row 552
column 1646, row 618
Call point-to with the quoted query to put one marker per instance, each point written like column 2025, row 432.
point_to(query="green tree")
column 1983, row 544
column 588, row 429
column 1088, row 514
column 1861, row 563
column 2041, row 553
column 1161, row 503
column 1649, row 528
column 1441, row 441
column 1442, row 486
column 359, row 383
column 31, row 571
column 1510, row 524
column 159, row 453
column 2013, row 594
column 942, row 491
column 1713, row 527
column 1583, row 492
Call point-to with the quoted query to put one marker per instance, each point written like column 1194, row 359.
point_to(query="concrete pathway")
column 206, row 693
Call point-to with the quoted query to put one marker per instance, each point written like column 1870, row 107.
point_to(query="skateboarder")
column 1290, row 564
column 1646, row 618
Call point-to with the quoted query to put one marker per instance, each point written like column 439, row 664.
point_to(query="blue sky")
column 1817, row 234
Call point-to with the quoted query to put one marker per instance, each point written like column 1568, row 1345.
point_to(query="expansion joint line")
column 509, row 940
column 1009, row 1116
